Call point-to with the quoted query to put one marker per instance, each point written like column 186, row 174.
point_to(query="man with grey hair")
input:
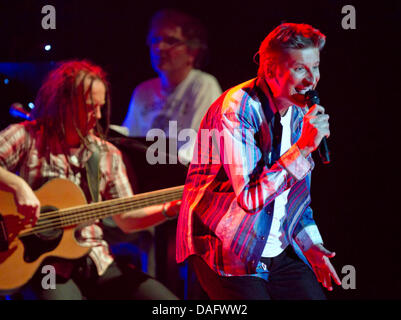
column 246, row 225
column 181, row 92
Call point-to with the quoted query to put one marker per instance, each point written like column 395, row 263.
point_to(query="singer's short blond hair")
column 287, row 36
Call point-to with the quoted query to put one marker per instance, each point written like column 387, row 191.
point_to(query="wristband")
column 164, row 213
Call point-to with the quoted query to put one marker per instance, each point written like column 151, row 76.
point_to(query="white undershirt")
column 276, row 241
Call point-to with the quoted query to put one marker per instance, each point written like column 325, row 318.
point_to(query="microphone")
column 17, row 111
column 311, row 98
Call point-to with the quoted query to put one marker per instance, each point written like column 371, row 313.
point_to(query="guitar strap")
column 93, row 174
column 65, row 268
column 93, row 178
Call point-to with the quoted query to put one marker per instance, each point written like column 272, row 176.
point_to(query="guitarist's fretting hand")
column 27, row 202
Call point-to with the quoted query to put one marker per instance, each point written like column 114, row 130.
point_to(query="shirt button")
column 74, row 160
column 263, row 237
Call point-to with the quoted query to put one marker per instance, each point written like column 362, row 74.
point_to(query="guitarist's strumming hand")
column 27, row 202
column 25, row 199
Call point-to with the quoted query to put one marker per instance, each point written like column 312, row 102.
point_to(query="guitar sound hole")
column 50, row 232
column 3, row 235
column 45, row 240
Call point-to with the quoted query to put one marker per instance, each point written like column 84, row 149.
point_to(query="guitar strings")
column 137, row 197
column 141, row 201
column 62, row 213
column 73, row 216
column 78, row 216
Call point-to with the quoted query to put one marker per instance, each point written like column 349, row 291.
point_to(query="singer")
column 245, row 225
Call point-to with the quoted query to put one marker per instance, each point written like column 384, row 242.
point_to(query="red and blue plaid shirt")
column 227, row 205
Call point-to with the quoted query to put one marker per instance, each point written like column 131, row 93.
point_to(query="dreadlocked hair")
column 62, row 94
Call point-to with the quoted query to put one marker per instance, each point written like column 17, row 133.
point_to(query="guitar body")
column 16, row 268
column 63, row 206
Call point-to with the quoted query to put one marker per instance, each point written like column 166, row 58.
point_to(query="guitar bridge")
column 3, row 235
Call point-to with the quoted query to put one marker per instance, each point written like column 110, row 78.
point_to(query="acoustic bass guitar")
column 23, row 247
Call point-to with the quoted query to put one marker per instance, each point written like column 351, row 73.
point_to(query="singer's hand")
column 315, row 127
column 318, row 256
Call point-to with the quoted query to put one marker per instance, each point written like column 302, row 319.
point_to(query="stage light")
column 48, row 47
column 17, row 111
column 6, row 81
column 31, row 105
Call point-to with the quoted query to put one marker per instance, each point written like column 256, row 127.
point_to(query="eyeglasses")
column 169, row 41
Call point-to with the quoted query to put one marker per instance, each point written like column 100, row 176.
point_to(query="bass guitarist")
column 65, row 133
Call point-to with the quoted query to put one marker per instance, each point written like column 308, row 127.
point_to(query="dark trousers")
column 117, row 283
column 289, row 279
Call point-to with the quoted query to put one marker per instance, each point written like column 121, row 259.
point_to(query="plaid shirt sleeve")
column 13, row 140
column 306, row 232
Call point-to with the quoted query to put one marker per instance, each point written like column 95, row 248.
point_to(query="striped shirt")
column 227, row 206
column 21, row 152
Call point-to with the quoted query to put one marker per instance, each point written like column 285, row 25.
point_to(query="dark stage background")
column 354, row 198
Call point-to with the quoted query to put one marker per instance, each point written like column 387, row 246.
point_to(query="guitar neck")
column 91, row 212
